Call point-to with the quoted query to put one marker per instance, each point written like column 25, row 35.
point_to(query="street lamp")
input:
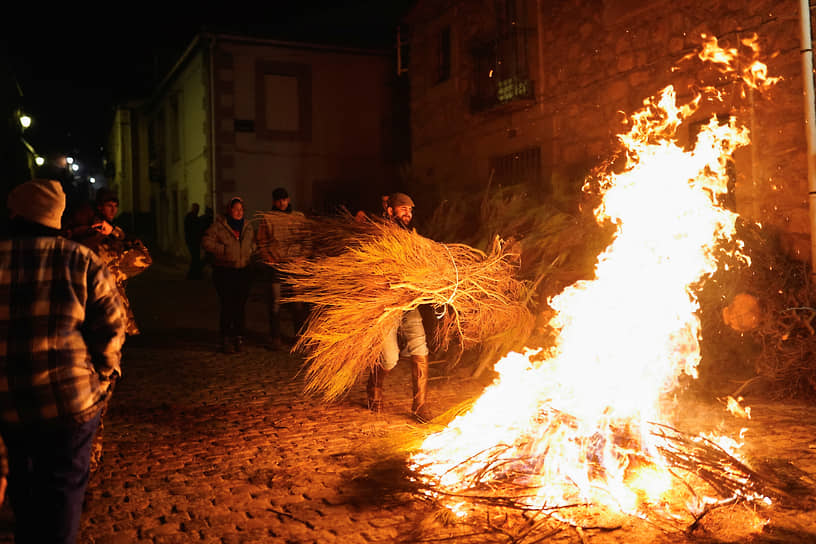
column 92, row 179
column 39, row 161
column 74, row 167
column 25, row 121
column 69, row 160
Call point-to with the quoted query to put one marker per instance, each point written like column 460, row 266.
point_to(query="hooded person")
column 230, row 242
column 62, row 342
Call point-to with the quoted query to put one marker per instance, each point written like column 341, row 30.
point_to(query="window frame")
column 303, row 74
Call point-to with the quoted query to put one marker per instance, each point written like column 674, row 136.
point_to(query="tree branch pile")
column 780, row 351
column 362, row 277
column 504, row 495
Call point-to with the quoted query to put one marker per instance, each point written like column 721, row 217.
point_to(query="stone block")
column 617, row 92
column 625, row 62
column 638, row 78
column 163, row 529
column 123, row 537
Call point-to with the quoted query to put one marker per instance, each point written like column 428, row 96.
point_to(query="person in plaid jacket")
column 62, row 326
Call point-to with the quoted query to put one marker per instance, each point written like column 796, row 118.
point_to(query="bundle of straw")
column 361, row 293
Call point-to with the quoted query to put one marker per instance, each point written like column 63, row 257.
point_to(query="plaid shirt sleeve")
column 105, row 320
column 264, row 241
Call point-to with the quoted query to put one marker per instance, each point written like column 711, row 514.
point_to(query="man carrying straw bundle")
column 409, row 329
column 366, row 280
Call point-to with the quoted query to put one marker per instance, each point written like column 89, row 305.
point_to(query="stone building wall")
column 592, row 60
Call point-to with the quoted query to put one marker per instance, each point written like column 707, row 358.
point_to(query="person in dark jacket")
column 230, row 241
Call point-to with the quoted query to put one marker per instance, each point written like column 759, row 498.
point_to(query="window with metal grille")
column 501, row 62
column 515, row 168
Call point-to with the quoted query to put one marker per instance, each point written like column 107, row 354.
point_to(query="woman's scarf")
column 236, row 225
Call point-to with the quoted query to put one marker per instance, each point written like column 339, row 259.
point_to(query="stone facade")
column 592, row 62
column 240, row 116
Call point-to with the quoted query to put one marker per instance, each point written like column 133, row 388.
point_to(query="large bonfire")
column 585, row 421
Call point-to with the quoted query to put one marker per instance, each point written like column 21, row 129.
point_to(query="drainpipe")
column 540, row 54
column 810, row 122
column 213, row 180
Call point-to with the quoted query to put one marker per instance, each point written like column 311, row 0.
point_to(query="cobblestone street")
column 202, row 446
column 207, row 447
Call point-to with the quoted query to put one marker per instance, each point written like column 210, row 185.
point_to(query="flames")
column 747, row 67
column 576, row 423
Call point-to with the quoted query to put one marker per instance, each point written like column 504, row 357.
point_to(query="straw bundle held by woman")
column 361, row 293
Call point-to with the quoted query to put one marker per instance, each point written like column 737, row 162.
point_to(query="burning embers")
column 582, row 423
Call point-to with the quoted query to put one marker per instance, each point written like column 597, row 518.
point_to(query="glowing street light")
column 74, row 167
column 92, row 179
column 69, row 160
column 25, row 120
column 39, row 161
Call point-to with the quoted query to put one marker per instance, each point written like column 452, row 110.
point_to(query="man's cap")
column 400, row 199
column 279, row 194
column 106, row 195
column 38, row 201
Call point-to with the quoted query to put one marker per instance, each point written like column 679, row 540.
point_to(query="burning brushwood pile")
column 582, row 424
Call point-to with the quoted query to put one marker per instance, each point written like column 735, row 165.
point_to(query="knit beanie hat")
column 38, row 201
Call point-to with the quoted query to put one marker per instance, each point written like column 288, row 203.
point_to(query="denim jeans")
column 48, row 474
column 413, row 334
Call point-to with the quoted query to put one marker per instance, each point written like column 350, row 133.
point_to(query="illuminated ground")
column 203, row 447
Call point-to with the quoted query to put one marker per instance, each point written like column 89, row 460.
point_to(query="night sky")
column 73, row 67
